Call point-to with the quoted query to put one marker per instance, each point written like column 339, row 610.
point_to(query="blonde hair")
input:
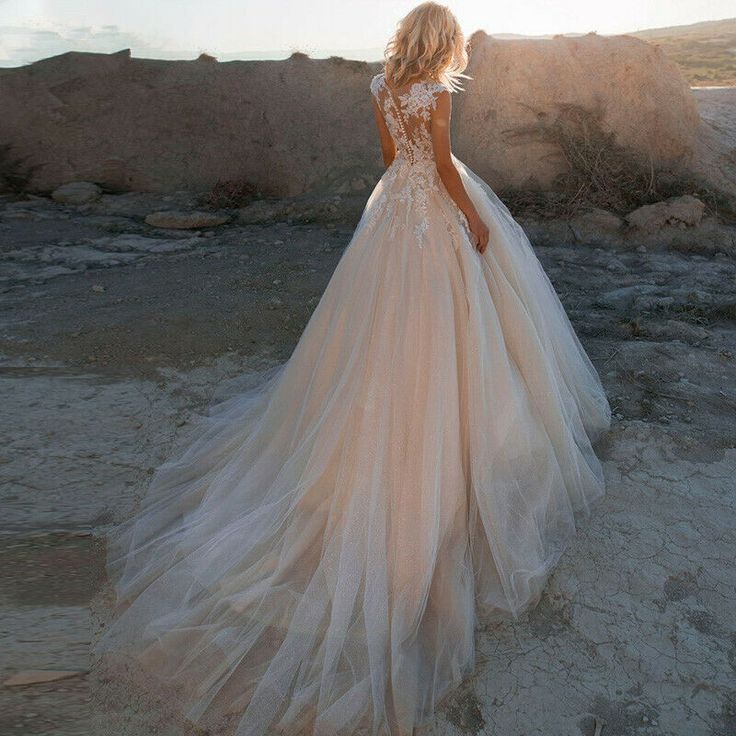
column 428, row 43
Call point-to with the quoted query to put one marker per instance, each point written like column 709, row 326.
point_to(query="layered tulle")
column 318, row 556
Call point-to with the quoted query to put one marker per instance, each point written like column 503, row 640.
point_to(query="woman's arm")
column 387, row 142
column 440, row 130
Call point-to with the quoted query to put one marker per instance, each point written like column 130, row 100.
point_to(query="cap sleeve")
column 376, row 83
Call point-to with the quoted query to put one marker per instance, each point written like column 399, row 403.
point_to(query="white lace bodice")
column 407, row 116
column 412, row 177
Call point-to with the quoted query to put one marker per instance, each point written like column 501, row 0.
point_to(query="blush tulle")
column 318, row 557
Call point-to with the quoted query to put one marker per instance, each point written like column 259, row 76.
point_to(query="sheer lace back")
column 408, row 117
column 412, row 177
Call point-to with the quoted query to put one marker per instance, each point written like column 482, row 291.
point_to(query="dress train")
column 318, row 557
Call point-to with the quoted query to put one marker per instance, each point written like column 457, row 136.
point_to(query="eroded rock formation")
column 303, row 124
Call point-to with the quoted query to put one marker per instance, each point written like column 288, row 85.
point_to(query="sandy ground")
column 114, row 334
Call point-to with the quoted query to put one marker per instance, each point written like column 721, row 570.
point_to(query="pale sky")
column 35, row 29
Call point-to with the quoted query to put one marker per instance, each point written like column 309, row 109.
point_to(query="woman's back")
column 407, row 112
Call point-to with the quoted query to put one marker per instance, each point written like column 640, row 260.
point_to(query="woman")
column 317, row 559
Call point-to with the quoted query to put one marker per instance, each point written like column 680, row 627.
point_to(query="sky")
column 182, row 29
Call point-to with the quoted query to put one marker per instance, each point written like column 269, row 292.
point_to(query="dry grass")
column 599, row 171
column 703, row 51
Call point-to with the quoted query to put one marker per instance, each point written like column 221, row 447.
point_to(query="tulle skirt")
column 318, row 556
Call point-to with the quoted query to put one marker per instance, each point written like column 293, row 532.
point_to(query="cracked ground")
column 111, row 345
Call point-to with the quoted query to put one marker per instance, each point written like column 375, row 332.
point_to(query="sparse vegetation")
column 706, row 52
column 600, row 172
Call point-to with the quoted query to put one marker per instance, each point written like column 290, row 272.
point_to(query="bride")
column 317, row 558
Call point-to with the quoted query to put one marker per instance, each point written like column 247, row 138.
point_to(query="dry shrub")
column 599, row 171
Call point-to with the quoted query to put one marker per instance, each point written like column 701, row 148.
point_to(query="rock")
column 185, row 220
column 675, row 329
column 627, row 295
column 77, row 192
column 523, row 89
column 616, row 265
column 708, row 236
column 686, row 211
column 597, row 226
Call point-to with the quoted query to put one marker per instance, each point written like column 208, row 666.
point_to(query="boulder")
column 597, row 227
column 527, row 96
column 685, row 211
column 77, row 192
column 185, row 220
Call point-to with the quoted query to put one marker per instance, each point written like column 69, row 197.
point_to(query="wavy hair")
column 428, row 43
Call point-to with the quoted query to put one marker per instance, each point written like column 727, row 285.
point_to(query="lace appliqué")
column 414, row 154
column 420, row 181
column 421, row 99
column 378, row 207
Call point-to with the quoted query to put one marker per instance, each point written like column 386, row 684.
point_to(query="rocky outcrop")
column 301, row 125
column 526, row 95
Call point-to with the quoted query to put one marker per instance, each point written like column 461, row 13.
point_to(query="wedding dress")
column 318, row 557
